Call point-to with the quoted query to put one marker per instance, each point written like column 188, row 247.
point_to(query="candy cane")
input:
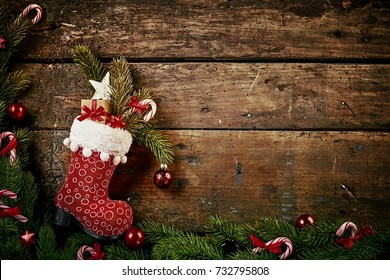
column 12, row 196
column 10, row 147
column 38, row 10
column 151, row 113
column 284, row 240
column 95, row 252
column 345, row 226
column 83, row 249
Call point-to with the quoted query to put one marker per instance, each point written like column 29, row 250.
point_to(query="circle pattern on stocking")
column 84, row 194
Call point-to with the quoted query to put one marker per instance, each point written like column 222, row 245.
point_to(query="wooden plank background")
column 270, row 105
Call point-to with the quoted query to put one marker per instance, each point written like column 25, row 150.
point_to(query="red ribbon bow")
column 95, row 114
column 275, row 248
column 116, row 122
column 10, row 212
column 6, row 211
column 349, row 242
column 98, row 255
column 11, row 145
column 138, row 107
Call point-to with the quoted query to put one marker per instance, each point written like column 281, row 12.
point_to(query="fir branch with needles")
column 121, row 86
column 93, row 69
column 157, row 143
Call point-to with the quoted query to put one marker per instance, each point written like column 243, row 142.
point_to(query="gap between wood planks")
column 66, row 60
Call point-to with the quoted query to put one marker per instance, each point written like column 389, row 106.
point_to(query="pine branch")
column 73, row 243
column 155, row 231
column 330, row 252
column 14, row 32
column 121, row 86
column 14, row 83
column 4, row 17
column 28, row 197
column 143, row 93
column 120, row 251
column 9, row 227
column 186, row 247
column 10, row 175
column 3, row 116
column 220, row 229
column 24, row 138
column 270, row 228
column 93, row 69
column 248, row 254
column 46, row 247
column 157, row 143
column 12, row 249
column 321, row 234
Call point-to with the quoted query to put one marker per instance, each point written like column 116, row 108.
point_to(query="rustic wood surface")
column 222, row 29
column 244, row 175
column 270, row 105
column 231, row 95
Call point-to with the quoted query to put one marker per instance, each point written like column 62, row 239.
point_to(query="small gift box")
column 97, row 110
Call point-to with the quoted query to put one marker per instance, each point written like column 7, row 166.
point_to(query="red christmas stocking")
column 96, row 151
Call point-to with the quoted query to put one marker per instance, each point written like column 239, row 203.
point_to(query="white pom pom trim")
column 67, row 142
column 117, row 160
column 74, row 147
column 87, row 152
column 104, row 156
column 124, row 159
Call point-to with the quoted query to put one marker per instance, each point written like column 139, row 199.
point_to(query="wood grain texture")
column 270, row 105
column 245, row 175
column 223, row 29
column 231, row 95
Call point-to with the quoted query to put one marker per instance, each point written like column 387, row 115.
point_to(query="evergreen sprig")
column 93, row 69
column 221, row 229
column 13, row 30
column 15, row 176
column 121, row 86
column 156, row 142
column 47, row 245
column 312, row 243
column 119, row 251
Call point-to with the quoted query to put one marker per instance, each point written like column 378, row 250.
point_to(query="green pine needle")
column 270, row 228
column 46, row 247
column 156, row 142
column 121, row 85
column 3, row 116
column 13, row 84
column 186, row 247
column 154, row 231
column 120, row 251
column 221, row 229
column 91, row 66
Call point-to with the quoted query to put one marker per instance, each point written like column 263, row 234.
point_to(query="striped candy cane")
column 11, row 147
column 94, row 252
column 38, row 10
column 83, row 249
column 345, row 226
column 151, row 113
column 12, row 196
column 284, row 240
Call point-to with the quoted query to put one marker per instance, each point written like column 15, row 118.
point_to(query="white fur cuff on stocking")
column 93, row 136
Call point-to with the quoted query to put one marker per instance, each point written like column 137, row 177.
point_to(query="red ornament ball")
column 304, row 220
column 17, row 111
column 162, row 178
column 134, row 238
